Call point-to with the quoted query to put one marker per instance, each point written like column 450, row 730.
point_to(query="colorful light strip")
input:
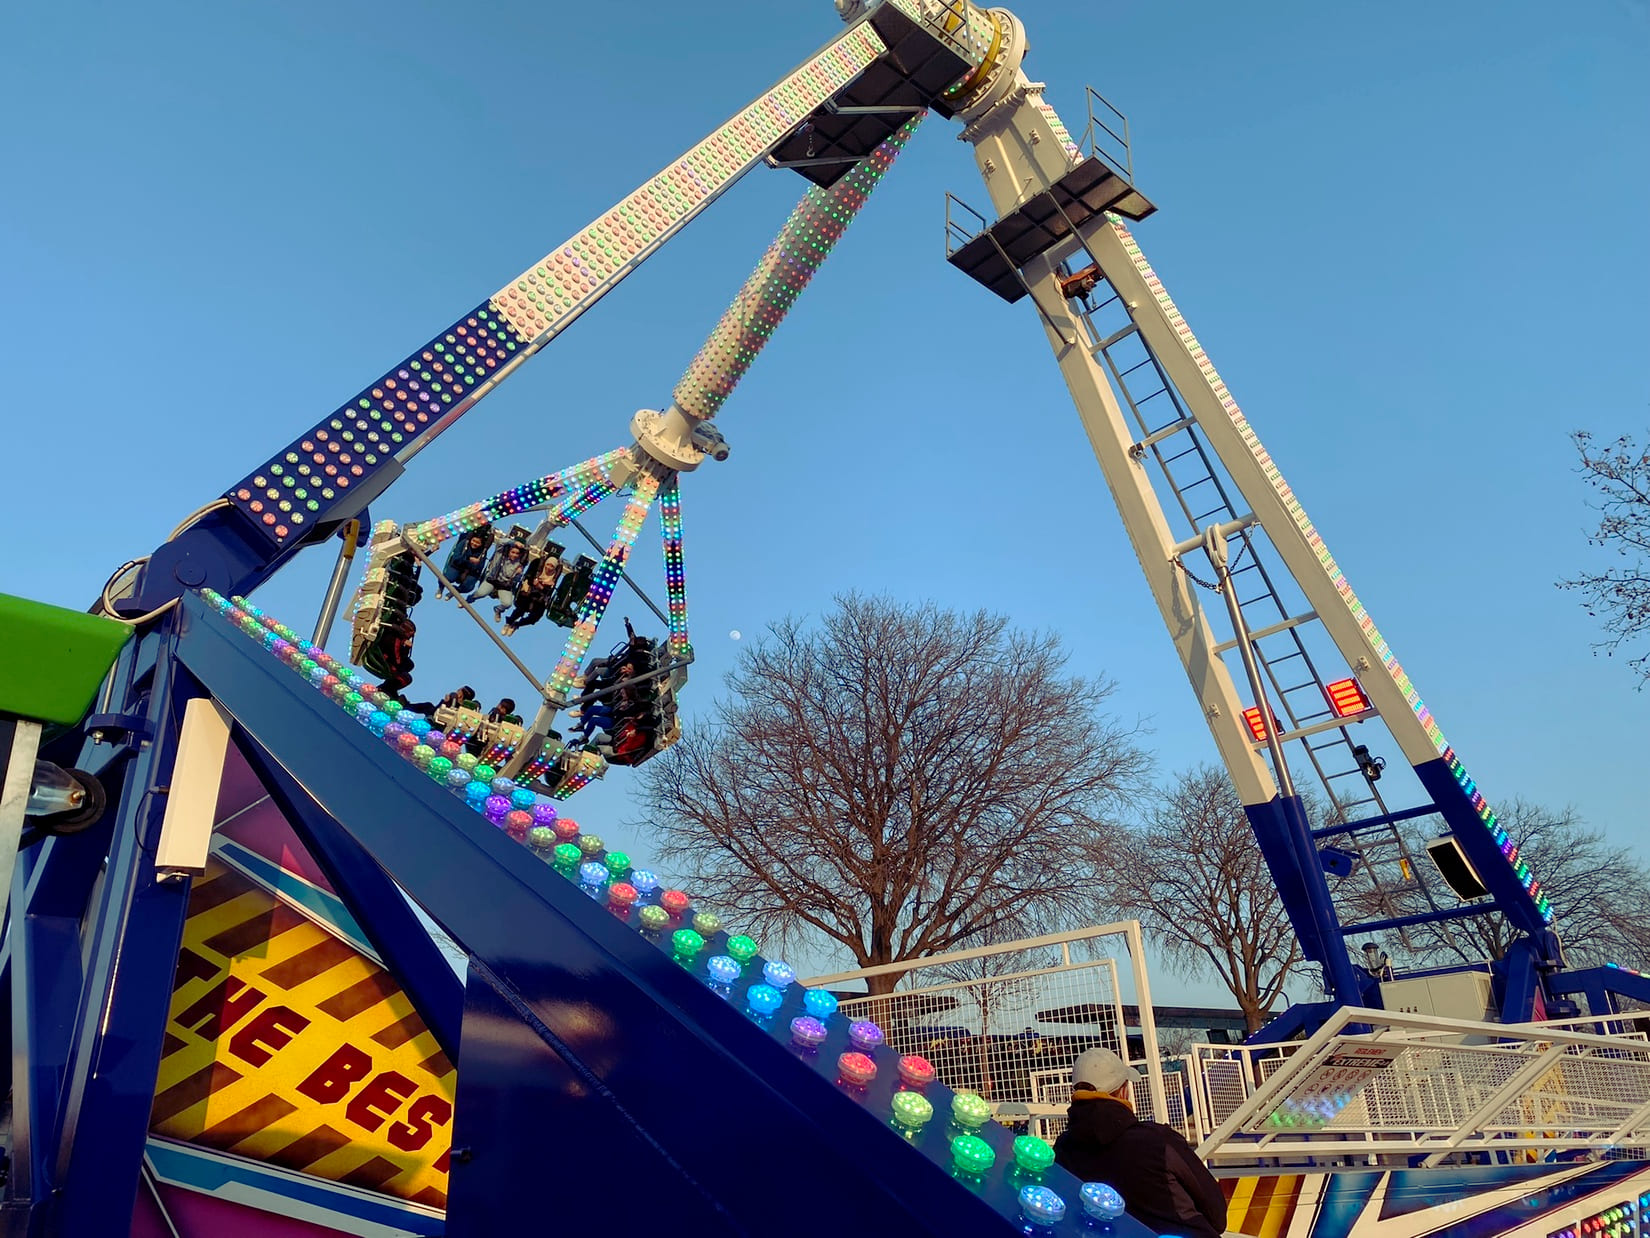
column 1354, row 607
column 437, row 384
column 724, row 961
column 584, row 476
column 803, row 243
column 602, row 584
column 670, row 519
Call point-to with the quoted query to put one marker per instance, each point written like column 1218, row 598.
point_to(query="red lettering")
column 220, row 1008
column 426, row 1114
column 333, row 1078
column 269, row 1030
column 192, row 966
column 444, row 1162
column 385, row 1092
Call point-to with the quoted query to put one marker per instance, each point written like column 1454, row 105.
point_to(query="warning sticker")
column 287, row 1045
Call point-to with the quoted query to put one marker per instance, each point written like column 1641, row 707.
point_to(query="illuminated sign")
column 287, row 1045
column 1346, row 698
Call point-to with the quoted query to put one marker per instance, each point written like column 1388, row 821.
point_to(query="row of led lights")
column 526, row 817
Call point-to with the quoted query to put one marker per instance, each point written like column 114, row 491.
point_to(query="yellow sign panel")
column 287, row 1045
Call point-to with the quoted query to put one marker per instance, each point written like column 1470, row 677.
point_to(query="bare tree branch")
column 1193, row 875
column 899, row 780
column 1619, row 596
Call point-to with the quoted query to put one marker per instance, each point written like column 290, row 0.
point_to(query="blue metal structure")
column 570, row 1029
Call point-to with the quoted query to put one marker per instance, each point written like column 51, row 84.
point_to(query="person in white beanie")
column 1163, row 1184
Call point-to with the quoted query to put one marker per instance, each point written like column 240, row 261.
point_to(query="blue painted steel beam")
column 1378, row 822
column 1511, row 898
column 1420, row 917
column 734, row 1110
column 1285, row 839
column 372, row 898
column 135, row 925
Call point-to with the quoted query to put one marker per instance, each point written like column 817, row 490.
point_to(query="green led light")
column 970, row 1110
column 971, row 1155
column 742, row 948
column 1032, row 1154
column 685, row 943
column 567, row 856
column 618, row 863
column 653, row 918
column 912, row 1110
column 707, row 924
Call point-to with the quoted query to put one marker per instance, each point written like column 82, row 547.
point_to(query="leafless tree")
column 1619, row 596
column 1192, row 873
column 900, row 780
column 1600, row 894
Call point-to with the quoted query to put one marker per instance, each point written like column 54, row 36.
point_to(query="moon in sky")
column 735, row 634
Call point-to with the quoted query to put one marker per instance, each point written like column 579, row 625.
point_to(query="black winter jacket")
column 1163, row 1184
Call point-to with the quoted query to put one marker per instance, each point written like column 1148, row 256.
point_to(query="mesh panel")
column 1009, row 1035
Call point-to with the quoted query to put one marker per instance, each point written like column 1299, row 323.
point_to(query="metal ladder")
column 1204, row 496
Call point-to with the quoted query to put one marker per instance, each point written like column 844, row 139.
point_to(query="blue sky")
column 1410, row 235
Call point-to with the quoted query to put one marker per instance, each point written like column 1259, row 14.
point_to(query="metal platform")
column 995, row 255
column 911, row 75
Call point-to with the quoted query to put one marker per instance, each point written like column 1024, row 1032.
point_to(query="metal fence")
column 1008, row 1021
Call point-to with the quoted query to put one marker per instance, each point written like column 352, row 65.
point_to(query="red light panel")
column 1346, row 698
column 1257, row 726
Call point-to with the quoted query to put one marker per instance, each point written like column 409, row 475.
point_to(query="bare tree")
column 900, row 780
column 1619, row 596
column 1600, row 894
column 1193, row 875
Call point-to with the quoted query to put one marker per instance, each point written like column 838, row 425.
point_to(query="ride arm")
column 334, row 469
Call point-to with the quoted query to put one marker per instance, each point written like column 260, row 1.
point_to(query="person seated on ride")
column 462, row 698
column 504, row 711
column 533, row 597
column 465, row 561
column 503, row 577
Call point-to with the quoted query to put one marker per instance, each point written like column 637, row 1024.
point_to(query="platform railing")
column 1425, row 1090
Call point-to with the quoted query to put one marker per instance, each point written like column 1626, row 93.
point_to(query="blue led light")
column 1101, row 1202
column 457, row 778
column 505, row 786
column 763, row 999
column 819, row 1003
column 592, row 873
column 377, row 721
column 644, row 881
column 523, row 798
column 723, row 970
column 476, row 792
column 778, row 974
column 1042, row 1207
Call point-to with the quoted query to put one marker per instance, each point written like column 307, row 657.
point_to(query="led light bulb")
column 807, row 1032
column 970, row 1110
column 971, row 1155
column 1041, row 1207
column 819, row 1003
column 1032, row 1155
column 856, row 1069
column 761, row 999
column 912, row 1110
column 723, row 970
column 1101, row 1202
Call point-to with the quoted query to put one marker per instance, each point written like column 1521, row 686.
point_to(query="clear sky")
column 1411, row 235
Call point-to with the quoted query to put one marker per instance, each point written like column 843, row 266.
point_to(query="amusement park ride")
column 227, row 1015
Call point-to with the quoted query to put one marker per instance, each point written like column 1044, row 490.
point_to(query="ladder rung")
column 1122, row 374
